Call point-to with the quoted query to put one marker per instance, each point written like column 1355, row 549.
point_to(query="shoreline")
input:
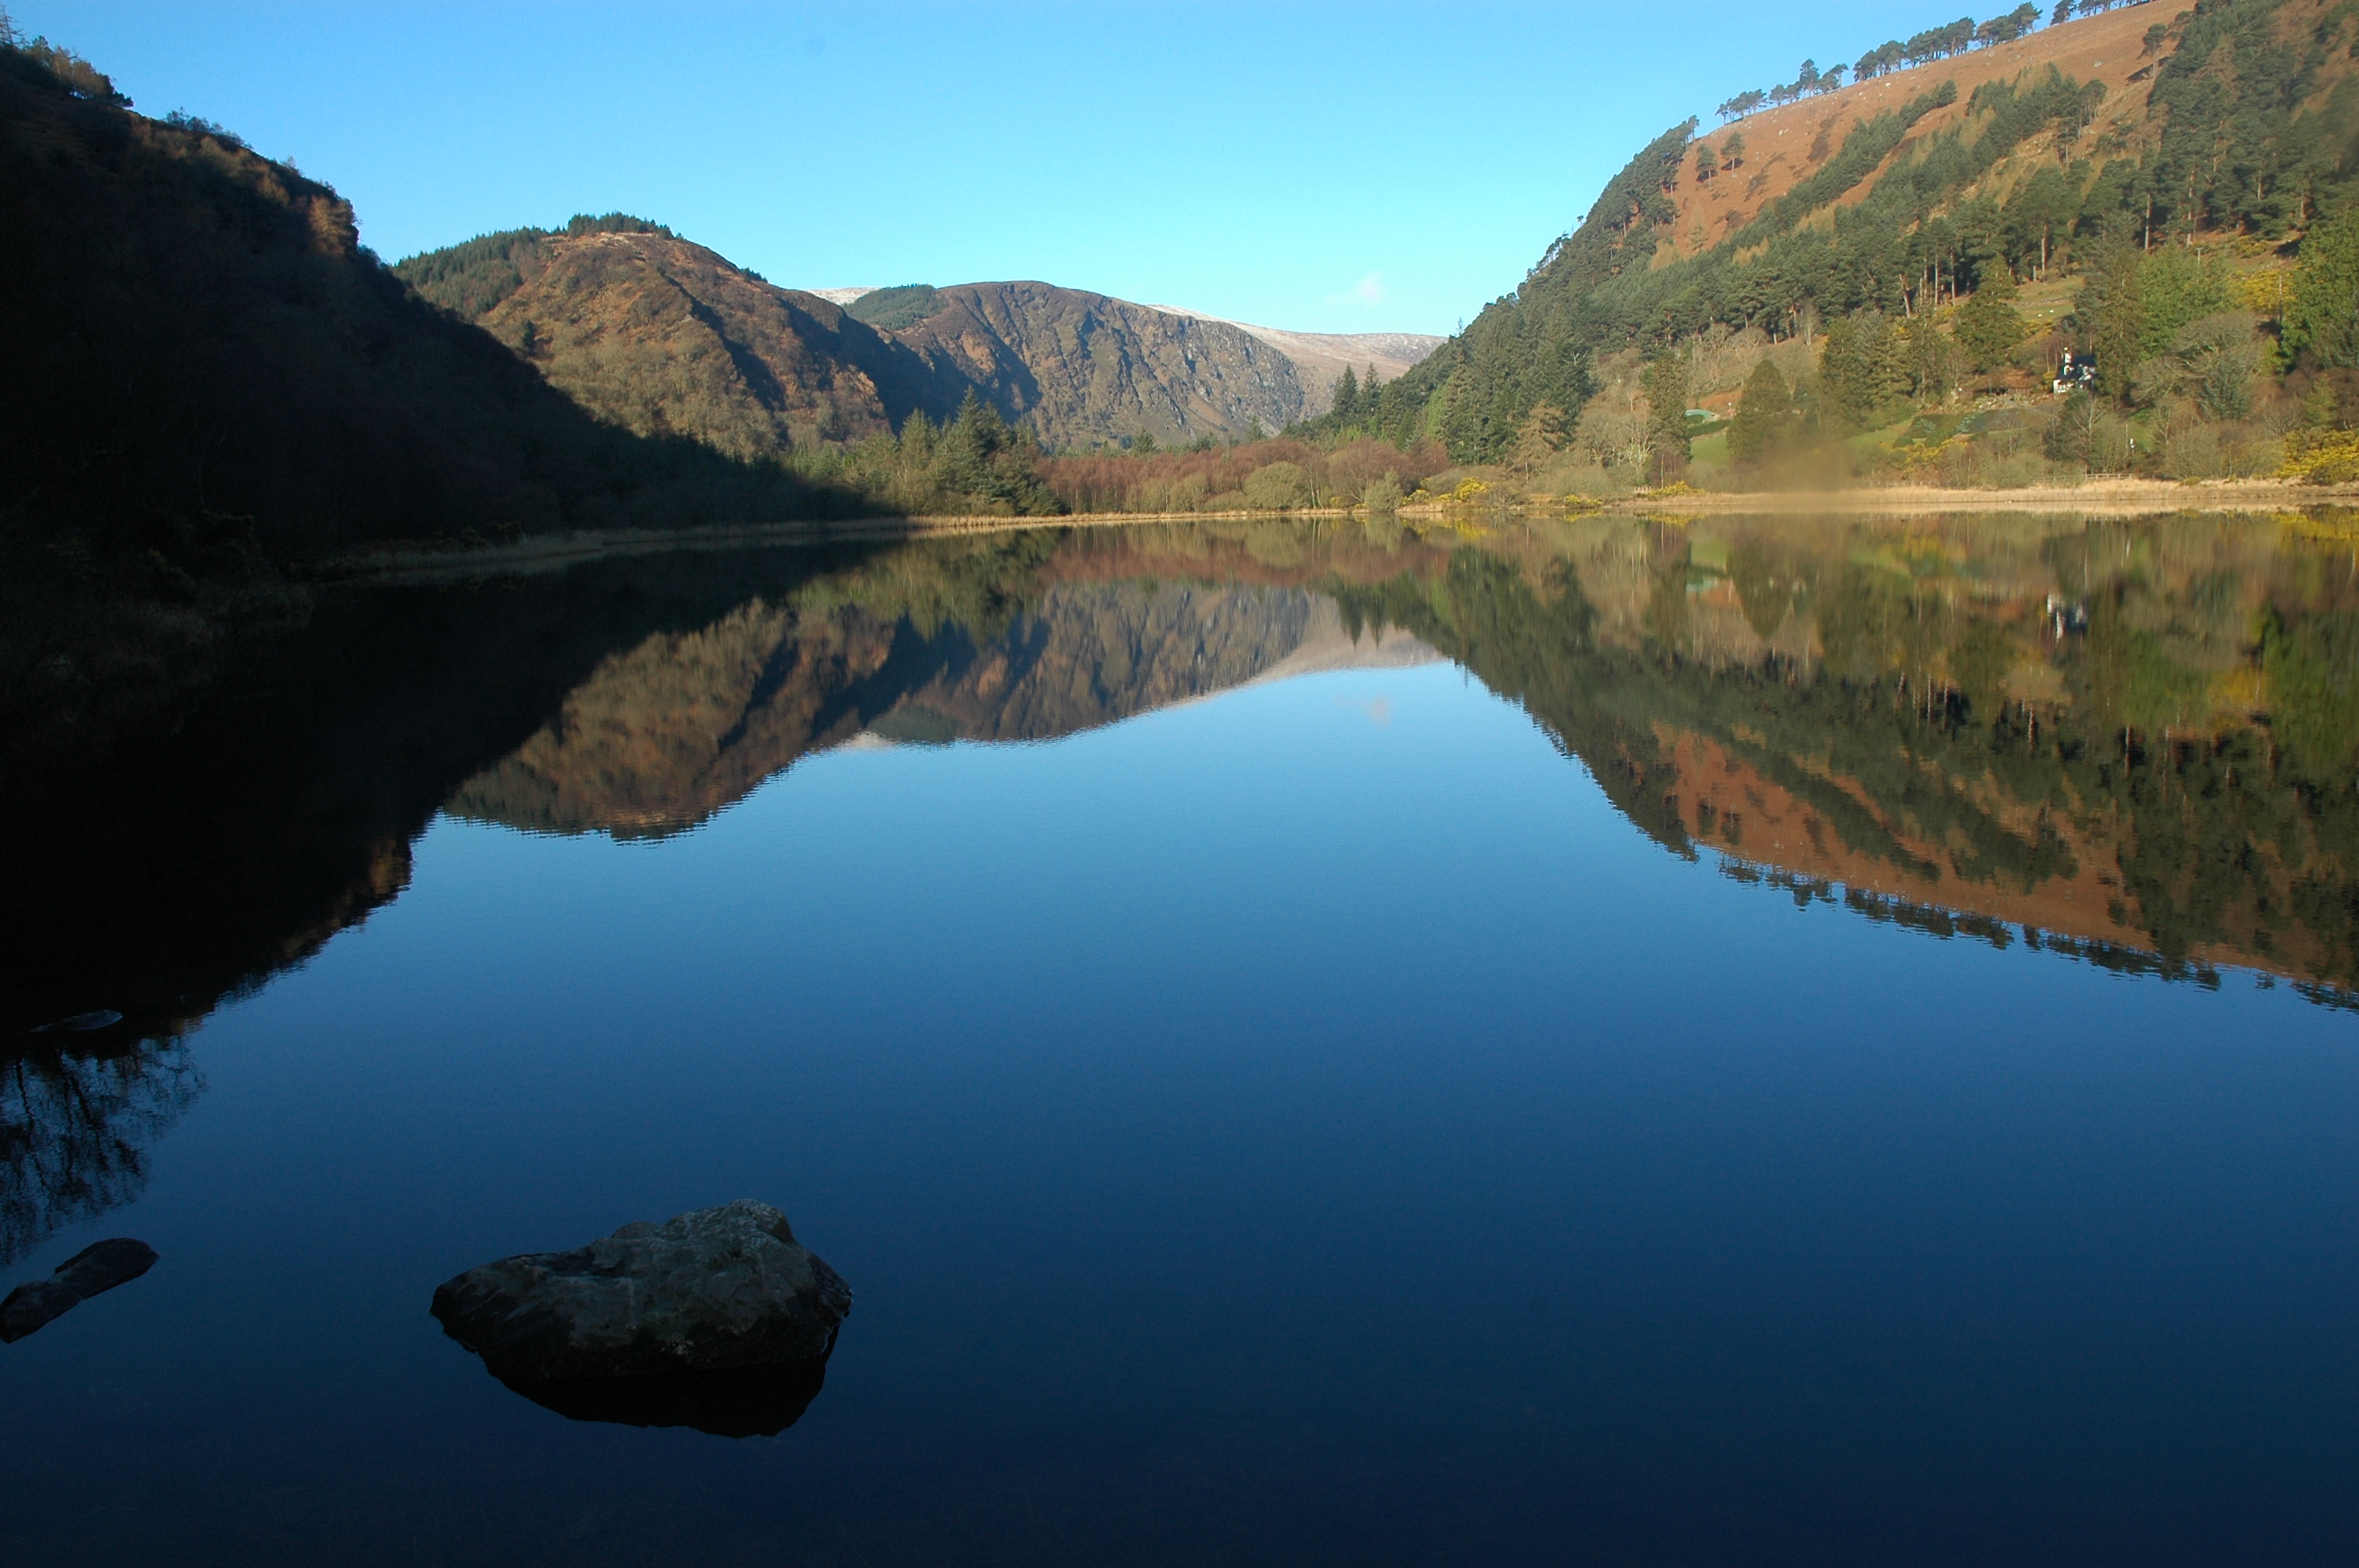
column 421, row 562
column 545, row 552
column 2107, row 496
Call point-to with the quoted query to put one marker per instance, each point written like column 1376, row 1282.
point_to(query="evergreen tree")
column 2109, row 318
column 1761, row 411
column 2321, row 319
column 1667, row 414
column 1931, row 364
column 1847, row 369
column 1347, row 398
column 1542, row 435
column 1989, row 326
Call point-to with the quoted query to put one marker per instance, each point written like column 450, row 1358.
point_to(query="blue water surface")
column 1306, row 1126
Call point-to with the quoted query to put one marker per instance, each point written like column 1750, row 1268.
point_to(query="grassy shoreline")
column 2108, row 496
column 551, row 552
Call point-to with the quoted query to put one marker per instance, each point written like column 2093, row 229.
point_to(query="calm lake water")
column 1620, row 1040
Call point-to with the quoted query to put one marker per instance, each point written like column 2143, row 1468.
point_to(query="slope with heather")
column 1905, row 195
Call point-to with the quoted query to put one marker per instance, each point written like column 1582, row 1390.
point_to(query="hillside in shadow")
column 210, row 384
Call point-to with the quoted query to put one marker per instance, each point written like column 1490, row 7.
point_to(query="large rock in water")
column 718, row 1289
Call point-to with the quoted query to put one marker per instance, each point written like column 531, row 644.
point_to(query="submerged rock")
column 718, row 1289
column 96, row 1267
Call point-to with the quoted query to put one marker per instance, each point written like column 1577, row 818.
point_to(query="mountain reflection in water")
column 2134, row 744
column 685, row 724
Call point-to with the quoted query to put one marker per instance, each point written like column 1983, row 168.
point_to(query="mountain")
column 1322, row 358
column 210, row 382
column 1086, row 368
column 667, row 338
column 195, row 335
column 663, row 337
column 2235, row 121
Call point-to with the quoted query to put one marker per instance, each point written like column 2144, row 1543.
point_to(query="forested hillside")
column 1891, row 223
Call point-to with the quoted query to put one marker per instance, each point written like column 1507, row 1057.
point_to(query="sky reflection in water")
column 1306, row 1125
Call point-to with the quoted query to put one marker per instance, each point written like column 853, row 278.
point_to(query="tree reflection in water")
column 75, row 1129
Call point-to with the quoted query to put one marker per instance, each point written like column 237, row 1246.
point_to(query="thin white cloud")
column 1369, row 290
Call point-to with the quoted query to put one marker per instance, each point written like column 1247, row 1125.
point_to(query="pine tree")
column 2109, row 318
column 2321, row 319
column 1989, row 326
column 1667, row 414
column 1761, row 412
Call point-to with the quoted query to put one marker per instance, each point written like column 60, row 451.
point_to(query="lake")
column 1626, row 1040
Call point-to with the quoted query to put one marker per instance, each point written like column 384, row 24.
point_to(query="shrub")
column 1277, row 486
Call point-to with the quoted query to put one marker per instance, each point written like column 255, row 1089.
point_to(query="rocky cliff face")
column 1322, row 358
column 1083, row 368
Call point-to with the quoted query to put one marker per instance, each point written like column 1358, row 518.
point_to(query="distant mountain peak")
column 1322, row 358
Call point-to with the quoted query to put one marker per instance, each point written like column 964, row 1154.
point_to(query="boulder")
column 718, row 1289
column 99, row 1266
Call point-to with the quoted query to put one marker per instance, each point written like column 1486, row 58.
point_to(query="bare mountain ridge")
column 1087, row 367
column 665, row 337
column 1322, row 358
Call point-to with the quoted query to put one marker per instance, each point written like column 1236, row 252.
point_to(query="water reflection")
column 662, row 736
column 736, row 1401
column 75, row 1131
column 2133, row 743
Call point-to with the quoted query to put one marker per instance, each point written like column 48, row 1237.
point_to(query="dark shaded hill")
column 209, row 380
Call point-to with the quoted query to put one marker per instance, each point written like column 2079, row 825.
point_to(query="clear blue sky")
column 1324, row 168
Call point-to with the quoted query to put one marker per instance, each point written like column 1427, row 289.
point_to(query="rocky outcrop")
column 1083, row 368
column 85, row 1274
column 717, row 1289
column 1322, row 358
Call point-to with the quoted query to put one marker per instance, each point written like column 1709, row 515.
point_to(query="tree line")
column 1933, row 43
